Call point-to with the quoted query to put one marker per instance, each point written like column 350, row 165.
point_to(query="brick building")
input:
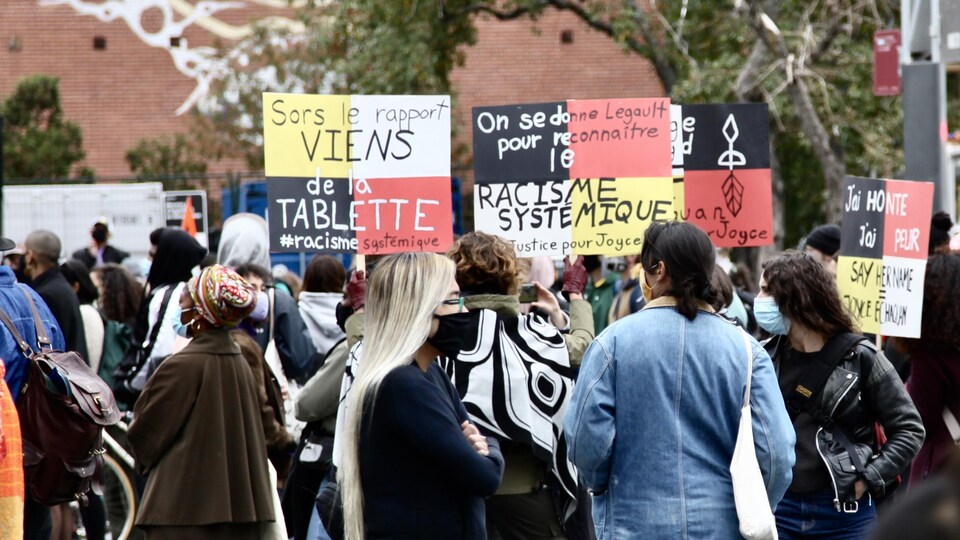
column 121, row 87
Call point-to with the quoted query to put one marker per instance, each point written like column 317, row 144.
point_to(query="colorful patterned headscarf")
column 222, row 297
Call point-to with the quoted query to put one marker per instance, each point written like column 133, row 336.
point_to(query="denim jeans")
column 813, row 516
column 316, row 531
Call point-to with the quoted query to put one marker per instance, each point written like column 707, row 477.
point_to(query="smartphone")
column 528, row 293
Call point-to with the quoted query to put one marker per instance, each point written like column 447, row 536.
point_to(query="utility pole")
column 924, row 99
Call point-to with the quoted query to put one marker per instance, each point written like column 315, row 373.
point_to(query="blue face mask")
column 769, row 317
column 183, row 330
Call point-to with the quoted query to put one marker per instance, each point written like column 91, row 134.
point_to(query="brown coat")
column 279, row 440
column 197, row 434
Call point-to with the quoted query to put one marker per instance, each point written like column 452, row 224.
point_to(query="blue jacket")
column 653, row 422
column 15, row 306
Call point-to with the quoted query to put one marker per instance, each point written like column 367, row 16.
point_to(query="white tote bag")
column 749, row 492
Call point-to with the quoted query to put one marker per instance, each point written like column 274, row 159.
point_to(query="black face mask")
column 343, row 313
column 99, row 236
column 451, row 336
column 20, row 271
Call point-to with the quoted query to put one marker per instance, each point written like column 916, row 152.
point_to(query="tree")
column 38, row 143
column 171, row 157
column 352, row 46
column 810, row 61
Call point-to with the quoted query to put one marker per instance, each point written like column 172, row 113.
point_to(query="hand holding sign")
column 574, row 277
column 357, row 289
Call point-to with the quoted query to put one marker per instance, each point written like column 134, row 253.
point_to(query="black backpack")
column 63, row 407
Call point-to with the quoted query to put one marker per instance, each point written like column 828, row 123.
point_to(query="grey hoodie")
column 319, row 313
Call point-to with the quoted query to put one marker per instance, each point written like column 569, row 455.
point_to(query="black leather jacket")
column 855, row 405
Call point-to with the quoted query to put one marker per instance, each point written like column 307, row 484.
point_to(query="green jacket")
column 600, row 296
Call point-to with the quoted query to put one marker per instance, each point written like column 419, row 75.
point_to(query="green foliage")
column 166, row 157
column 38, row 143
column 351, row 47
column 700, row 49
column 866, row 130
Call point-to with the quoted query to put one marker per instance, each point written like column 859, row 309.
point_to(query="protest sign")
column 365, row 174
column 726, row 172
column 680, row 139
column 187, row 210
column 581, row 176
column 883, row 253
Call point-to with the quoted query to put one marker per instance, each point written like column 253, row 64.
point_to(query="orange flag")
column 189, row 223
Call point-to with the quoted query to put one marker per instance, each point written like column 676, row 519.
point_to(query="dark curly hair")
column 688, row 256
column 486, row 264
column 940, row 326
column 120, row 293
column 807, row 294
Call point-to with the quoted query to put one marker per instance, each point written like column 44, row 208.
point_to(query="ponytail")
column 691, row 292
column 689, row 258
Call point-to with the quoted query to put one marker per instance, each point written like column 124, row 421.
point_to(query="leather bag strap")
column 22, row 343
column 43, row 340
column 155, row 331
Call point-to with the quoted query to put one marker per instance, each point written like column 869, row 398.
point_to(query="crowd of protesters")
column 475, row 394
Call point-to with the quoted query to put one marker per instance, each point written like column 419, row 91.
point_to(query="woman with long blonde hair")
column 412, row 464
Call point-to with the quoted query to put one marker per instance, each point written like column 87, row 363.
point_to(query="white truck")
column 132, row 211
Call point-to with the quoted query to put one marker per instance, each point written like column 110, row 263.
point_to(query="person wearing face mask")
column 837, row 387
column 412, row 464
column 600, row 290
column 100, row 252
column 513, row 349
column 153, row 339
column 41, row 266
column 197, row 433
column 655, row 414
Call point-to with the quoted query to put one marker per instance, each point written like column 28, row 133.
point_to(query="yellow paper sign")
column 859, row 280
column 303, row 132
column 609, row 216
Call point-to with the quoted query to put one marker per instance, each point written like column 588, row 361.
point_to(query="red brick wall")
column 525, row 62
column 130, row 91
column 119, row 95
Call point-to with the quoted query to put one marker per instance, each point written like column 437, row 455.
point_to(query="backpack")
column 63, row 407
column 116, row 340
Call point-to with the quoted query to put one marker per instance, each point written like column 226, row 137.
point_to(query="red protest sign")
column 906, row 205
column 394, row 215
column 733, row 207
column 619, row 138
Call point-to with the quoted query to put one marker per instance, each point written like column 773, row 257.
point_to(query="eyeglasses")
column 454, row 302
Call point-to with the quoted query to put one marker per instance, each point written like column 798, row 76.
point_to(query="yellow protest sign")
column 302, row 132
column 609, row 216
column 859, row 280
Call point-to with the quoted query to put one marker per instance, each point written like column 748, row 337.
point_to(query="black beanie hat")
column 940, row 227
column 825, row 238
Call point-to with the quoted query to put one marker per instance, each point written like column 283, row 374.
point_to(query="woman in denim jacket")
column 841, row 468
column 654, row 416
